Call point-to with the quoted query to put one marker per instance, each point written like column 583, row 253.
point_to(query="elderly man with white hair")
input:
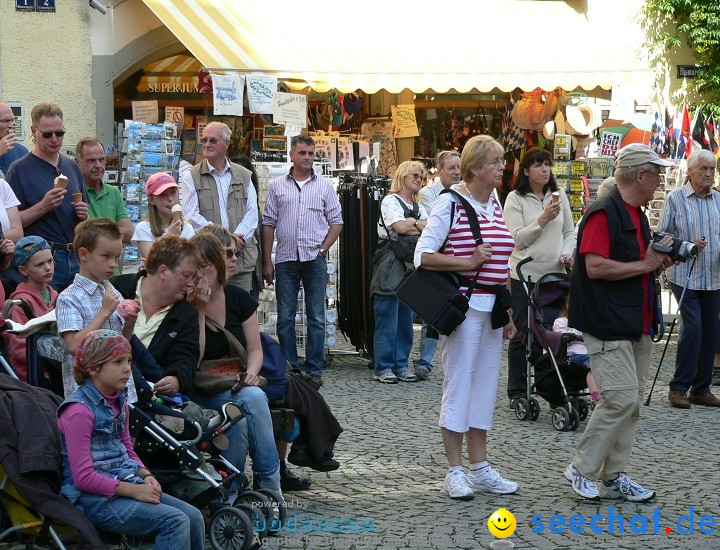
column 692, row 213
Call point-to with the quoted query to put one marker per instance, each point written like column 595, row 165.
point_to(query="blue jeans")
column 696, row 346
column 66, row 266
column 393, row 335
column 176, row 525
column 254, row 434
column 313, row 275
column 427, row 350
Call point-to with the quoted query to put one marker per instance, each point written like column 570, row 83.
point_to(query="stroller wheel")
column 522, row 409
column 574, row 421
column 583, row 409
column 257, row 518
column 534, row 409
column 229, row 529
column 560, row 419
column 259, row 502
column 279, row 510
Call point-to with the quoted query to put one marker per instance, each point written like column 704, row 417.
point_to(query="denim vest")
column 109, row 455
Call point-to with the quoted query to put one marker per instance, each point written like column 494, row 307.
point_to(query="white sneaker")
column 456, row 486
column 386, row 378
column 491, row 481
column 583, row 486
column 625, row 488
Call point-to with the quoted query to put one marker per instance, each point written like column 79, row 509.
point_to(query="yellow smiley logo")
column 502, row 523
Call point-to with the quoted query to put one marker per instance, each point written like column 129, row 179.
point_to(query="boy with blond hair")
column 91, row 302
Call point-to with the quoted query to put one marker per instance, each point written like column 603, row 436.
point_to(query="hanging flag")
column 657, row 135
column 670, row 139
column 710, row 130
column 698, row 132
column 684, row 139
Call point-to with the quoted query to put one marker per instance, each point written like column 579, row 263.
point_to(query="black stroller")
column 557, row 380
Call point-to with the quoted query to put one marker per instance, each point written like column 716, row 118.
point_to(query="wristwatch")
column 322, row 252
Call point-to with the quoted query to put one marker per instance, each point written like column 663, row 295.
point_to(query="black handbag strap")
column 414, row 212
column 474, row 227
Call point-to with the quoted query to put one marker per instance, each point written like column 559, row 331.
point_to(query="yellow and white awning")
column 394, row 45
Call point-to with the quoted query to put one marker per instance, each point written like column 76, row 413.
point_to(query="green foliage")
column 670, row 23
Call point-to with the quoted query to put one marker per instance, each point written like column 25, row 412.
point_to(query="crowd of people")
column 194, row 301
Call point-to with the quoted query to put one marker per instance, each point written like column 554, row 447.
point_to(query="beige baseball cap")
column 636, row 154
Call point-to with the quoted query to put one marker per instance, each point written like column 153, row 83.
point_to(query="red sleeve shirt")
column 596, row 240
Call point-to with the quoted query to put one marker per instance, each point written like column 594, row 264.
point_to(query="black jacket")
column 30, row 454
column 610, row 310
column 176, row 344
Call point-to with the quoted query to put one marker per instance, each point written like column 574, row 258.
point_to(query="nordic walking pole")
column 672, row 326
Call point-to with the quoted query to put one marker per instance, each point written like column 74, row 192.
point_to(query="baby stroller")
column 184, row 454
column 556, row 379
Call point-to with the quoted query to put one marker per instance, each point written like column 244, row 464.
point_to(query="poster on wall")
column 609, row 144
column 174, row 115
column 228, row 94
column 261, row 89
column 145, row 111
column 290, row 109
column 345, row 160
column 326, row 151
column 403, row 117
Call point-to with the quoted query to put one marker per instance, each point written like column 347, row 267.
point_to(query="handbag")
column 218, row 375
column 435, row 295
column 403, row 245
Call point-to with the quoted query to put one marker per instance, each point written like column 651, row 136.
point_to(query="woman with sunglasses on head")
column 164, row 214
column 402, row 219
column 538, row 215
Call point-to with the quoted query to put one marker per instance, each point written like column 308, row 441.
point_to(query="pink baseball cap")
column 159, row 183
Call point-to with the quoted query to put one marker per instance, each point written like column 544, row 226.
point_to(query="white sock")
column 452, row 469
column 479, row 467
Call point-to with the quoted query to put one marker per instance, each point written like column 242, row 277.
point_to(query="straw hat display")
column 581, row 120
column 560, row 123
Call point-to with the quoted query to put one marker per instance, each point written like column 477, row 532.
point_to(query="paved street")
column 388, row 491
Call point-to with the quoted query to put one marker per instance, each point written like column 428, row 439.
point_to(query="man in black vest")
column 612, row 301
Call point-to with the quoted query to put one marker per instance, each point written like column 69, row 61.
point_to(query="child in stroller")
column 576, row 350
column 102, row 475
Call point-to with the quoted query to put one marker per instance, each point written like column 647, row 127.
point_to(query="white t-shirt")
column 302, row 182
column 8, row 200
column 392, row 212
column 143, row 233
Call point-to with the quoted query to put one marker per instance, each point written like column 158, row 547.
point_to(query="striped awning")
column 393, row 45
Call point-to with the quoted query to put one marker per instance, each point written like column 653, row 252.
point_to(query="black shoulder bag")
column 435, row 295
column 403, row 245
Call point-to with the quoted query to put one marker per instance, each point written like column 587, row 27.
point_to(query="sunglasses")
column 48, row 135
column 230, row 253
column 211, row 141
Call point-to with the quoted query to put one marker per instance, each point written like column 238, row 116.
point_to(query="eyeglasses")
column 229, row 253
column 189, row 277
column 211, row 141
column 48, row 135
column 499, row 163
column 417, row 176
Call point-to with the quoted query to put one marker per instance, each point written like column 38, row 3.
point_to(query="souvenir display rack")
column 145, row 150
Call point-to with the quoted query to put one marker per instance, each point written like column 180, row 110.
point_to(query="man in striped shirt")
column 303, row 212
column 692, row 213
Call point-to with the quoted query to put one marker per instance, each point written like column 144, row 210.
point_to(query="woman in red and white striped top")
column 471, row 354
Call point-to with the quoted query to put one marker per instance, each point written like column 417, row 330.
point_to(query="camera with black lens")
column 679, row 251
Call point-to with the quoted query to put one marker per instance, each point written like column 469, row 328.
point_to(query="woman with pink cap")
column 164, row 213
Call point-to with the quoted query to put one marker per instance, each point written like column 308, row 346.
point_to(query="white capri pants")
column 471, row 358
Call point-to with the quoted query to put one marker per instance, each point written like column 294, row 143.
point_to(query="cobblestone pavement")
column 388, row 492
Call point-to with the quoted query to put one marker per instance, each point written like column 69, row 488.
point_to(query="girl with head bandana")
column 102, row 475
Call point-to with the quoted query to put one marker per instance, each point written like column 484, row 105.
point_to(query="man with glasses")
column 612, row 301
column 48, row 210
column 219, row 191
column 692, row 213
column 303, row 212
column 10, row 149
column 448, row 171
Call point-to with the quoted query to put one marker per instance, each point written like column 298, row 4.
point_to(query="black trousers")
column 517, row 364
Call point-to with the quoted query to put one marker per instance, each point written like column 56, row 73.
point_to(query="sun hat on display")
column 581, row 119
